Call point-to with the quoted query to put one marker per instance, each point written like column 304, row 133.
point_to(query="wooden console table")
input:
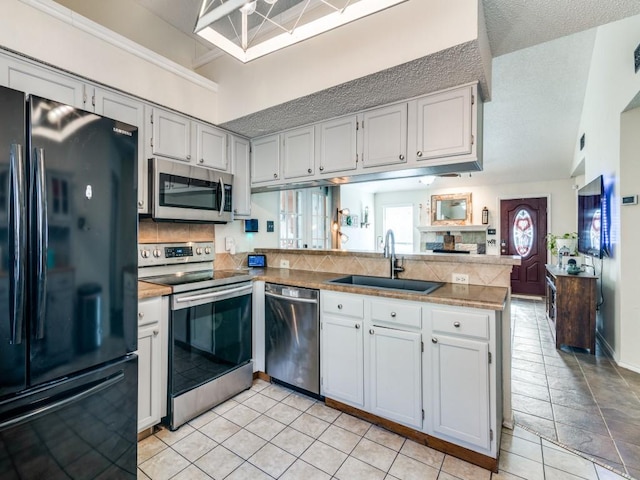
column 571, row 308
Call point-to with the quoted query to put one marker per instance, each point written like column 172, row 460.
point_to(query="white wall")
column 32, row 32
column 400, row 34
column 611, row 86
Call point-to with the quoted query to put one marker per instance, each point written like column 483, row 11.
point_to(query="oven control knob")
column 144, row 253
column 157, row 252
column 199, row 251
column 207, row 250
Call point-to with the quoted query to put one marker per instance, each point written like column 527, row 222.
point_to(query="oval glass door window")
column 523, row 233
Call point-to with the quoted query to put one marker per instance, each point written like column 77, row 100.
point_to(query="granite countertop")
column 475, row 296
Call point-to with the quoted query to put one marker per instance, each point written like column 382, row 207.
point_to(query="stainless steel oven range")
column 209, row 326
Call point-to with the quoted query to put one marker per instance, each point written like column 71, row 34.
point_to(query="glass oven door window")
column 209, row 340
column 183, row 192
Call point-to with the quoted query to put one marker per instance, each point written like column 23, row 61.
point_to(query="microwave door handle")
column 18, row 234
column 222, row 195
column 41, row 242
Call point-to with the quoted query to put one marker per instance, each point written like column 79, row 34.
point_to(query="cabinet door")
column 131, row 111
column 337, row 150
column 171, row 135
column 240, row 167
column 211, row 147
column 298, row 153
column 444, row 124
column 45, row 83
column 148, row 376
column 265, row 159
column 395, row 375
column 460, row 390
column 385, row 136
column 342, row 360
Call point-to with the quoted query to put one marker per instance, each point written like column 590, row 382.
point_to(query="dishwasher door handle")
column 293, row 299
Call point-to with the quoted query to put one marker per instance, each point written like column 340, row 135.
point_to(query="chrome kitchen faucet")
column 390, row 252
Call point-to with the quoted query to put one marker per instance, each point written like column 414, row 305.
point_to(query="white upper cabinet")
column 211, row 148
column 241, row 169
column 265, row 159
column 385, row 136
column 444, row 124
column 336, row 145
column 298, row 153
column 170, row 135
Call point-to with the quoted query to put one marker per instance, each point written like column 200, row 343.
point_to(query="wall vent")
column 636, row 56
column 582, row 140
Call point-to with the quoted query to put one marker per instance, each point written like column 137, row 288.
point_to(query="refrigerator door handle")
column 57, row 405
column 18, row 235
column 42, row 229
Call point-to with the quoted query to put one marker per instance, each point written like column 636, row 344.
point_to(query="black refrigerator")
column 68, row 292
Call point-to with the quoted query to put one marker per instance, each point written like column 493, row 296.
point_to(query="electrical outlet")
column 284, row 263
column 459, row 278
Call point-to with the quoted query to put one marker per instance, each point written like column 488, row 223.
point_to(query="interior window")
column 304, row 219
column 399, row 218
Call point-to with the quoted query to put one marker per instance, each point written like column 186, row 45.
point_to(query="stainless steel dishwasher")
column 292, row 336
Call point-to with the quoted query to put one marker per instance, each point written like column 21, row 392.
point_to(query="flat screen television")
column 593, row 219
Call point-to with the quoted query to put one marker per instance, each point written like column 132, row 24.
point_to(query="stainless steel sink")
column 420, row 286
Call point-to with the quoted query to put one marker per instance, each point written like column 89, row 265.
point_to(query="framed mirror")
column 451, row 209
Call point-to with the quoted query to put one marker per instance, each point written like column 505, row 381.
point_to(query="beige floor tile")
column 169, row 437
column 309, row 425
column 219, row 462
column 225, row 406
column 244, row 443
column 194, row 446
column 220, row 429
column 276, row 392
column 323, row 412
column 283, row 413
column 522, row 447
column 502, row 475
column 204, row 418
column 422, row 453
column 339, row 438
column 265, row 427
column 551, row 473
column 164, row 465
column 259, row 385
column 385, row 438
column 292, row 441
column 606, row 474
column 241, row 415
column 569, row 462
column 303, row 471
column 353, row 424
column 272, row 460
column 352, row 469
column 260, row 403
column 405, row 468
column 464, row 470
column 522, row 433
column 324, row 457
column 190, row 473
column 141, row 475
column 446, row 476
column 149, row 447
column 520, row 466
column 246, row 471
column 301, row 402
column 374, row 454
column 244, row 396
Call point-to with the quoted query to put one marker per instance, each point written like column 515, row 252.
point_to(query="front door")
column 523, row 227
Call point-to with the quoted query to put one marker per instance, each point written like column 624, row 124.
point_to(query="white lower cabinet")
column 152, row 354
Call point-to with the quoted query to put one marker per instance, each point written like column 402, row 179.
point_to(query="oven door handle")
column 292, row 299
column 212, row 295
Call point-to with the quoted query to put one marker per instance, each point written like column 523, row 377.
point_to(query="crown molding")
column 70, row 17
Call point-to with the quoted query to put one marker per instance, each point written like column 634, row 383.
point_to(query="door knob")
column 434, row 340
column 357, row 326
column 419, row 154
column 371, row 331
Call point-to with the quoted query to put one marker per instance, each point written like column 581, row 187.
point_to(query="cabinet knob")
column 308, row 170
column 371, row 331
column 401, row 157
column 275, row 175
column 339, row 306
column 321, row 168
column 140, row 203
column 456, row 324
column 434, row 340
column 188, row 157
column 419, row 154
column 201, row 160
column 393, row 314
column 140, row 314
column 357, row 326
column 155, row 333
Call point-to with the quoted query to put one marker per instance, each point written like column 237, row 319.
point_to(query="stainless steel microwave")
column 181, row 192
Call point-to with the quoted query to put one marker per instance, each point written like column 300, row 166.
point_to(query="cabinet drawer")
column 342, row 304
column 149, row 310
column 461, row 323
column 396, row 314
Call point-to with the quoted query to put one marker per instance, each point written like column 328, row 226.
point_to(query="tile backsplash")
column 165, row 232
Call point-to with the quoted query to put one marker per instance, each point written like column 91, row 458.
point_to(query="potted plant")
column 556, row 242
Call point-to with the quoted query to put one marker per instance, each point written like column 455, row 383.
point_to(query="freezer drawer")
column 82, row 427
